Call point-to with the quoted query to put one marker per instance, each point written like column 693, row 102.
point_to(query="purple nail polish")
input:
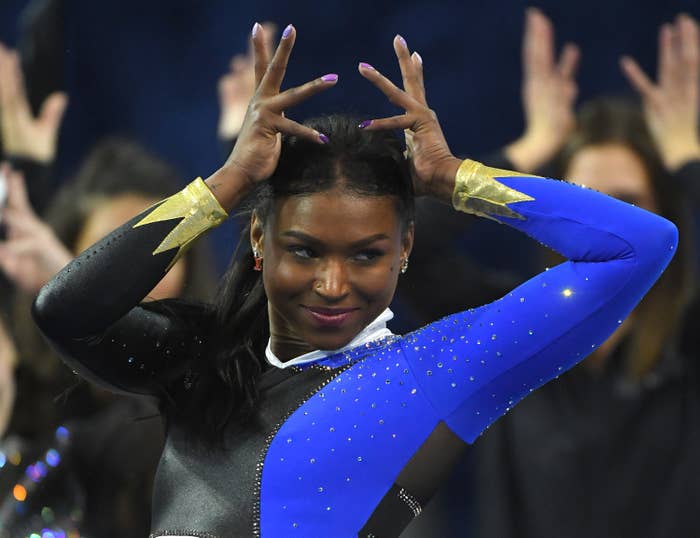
column 365, row 123
column 323, row 138
column 256, row 27
column 287, row 31
column 418, row 56
column 403, row 41
column 366, row 66
column 330, row 77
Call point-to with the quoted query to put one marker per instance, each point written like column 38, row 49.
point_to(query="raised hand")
column 671, row 104
column 549, row 90
column 257, row 150
column 432, row 164
column 24, row 135
column 237, row 87
column 32, row 254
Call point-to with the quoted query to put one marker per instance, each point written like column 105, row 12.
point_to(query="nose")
column 332, row 281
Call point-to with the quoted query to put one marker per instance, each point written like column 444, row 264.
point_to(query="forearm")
column 115, row 274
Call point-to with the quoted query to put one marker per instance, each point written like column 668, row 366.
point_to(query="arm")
column 475, row 365
column 90, row 312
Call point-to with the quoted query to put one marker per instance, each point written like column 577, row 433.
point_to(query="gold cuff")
column 477, row 191
column 196, row 206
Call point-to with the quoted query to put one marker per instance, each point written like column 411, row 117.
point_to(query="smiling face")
column 331, row 264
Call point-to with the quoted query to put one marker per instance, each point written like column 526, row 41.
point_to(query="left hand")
column 671, row 105
column 433, row 166
column 32, row 254
column 24, row 135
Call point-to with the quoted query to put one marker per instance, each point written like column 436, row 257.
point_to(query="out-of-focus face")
column 331, row 264
column 112, row 213
column 616, row 170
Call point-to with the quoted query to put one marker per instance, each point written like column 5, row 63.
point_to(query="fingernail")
column 256, row 27
column 323, row 138
column 364, row 65
column 401, row 39
column 365, row 123
column 418, row 56
column 287, row 31
column 330, row 77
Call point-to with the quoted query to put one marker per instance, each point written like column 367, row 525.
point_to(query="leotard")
column 331, row 441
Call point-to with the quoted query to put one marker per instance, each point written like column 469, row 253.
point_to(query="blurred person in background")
column 108, row 496
column 610, row 448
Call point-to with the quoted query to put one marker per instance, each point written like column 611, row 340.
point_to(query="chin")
column 330, row 341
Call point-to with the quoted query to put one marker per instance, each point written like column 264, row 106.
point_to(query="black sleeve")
column 90, row 315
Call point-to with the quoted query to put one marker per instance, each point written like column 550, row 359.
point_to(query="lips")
column 330, row 317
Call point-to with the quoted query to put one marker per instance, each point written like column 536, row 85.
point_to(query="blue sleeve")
column 475, row 365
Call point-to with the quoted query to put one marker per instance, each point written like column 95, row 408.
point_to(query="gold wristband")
column 199, row 210
column 477, row 191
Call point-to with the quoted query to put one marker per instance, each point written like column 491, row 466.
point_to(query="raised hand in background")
column 237, row 87
column 548, row 91
column 31, row 254
column 671, row 104
column 23, row 134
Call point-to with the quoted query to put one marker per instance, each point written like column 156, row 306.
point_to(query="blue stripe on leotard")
column 335, row 457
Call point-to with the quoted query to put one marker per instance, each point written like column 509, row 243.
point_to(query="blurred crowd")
column 608, row 449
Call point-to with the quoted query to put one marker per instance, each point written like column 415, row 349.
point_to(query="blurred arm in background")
column 29, row 141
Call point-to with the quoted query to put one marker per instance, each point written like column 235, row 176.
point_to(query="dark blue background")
column 148, row 68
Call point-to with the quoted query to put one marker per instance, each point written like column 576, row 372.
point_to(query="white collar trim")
column 374, row 331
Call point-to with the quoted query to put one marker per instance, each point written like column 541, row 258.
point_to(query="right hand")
column 32, row 254
column 257, row 149
column 549, row 91
column 23, row 135
column 237, row 87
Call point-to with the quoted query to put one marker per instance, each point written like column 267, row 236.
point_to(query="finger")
column 690, row 47
column 52, row 110
column 17, row 197
column 290, row 127
column 408, row 69
column 18, row 93
column 638, row 78
column 538, row 44
column 403, row 121
column 568, row 60
column 260, row 57
column 666, row 59
column 270, row 31
column 418, row 64
column 294, row 96
column 395, row 95
column 272, row 80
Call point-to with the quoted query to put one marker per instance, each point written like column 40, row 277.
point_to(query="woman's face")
column 331, row 261
column 112, row 213
column 616, row 170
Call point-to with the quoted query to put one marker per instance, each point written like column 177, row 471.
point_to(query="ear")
column 256, row 232
column 407, row 241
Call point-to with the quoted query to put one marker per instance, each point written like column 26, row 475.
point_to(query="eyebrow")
column 313, row 240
